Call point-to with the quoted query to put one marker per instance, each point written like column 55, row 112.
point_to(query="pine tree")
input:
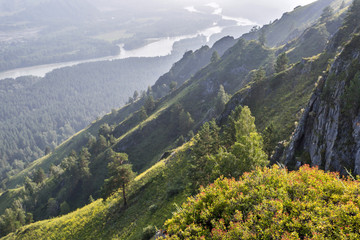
column 172, row 86
column 221, row 100
column 142, row 114
column 135, row 95
column 64, row 208
column 83, row 164
column 185, row 122
column 270, row 138
column 262, row 37
column 105, row 130
column 149, row 104
column 258, row 74
column 215, row 57
column 281, row 63
column 207, row 142
column 247, row 151
column 121, row 174
column 229, row 133
column 39, row 176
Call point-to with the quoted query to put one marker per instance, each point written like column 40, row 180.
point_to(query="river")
column 158, row 47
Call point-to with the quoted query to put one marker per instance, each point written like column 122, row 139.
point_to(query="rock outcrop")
column 328, row 134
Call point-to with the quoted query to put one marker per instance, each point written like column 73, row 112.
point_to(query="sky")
column 261, row 11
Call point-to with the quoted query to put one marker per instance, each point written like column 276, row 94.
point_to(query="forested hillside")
column 40, row 113
column 217, row 125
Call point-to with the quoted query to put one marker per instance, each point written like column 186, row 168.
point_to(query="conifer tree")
column 172, row 86
column 39, row 176
column 246, row 153
column 135, row 95
column 221, row 100
column 281, row 62
column 121, row 174
column 262, row 37
column 149, row 104
column 215, row 57
column 207, row 142
column 258, row 74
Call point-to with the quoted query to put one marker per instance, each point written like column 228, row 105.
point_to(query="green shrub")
column 148, row 232
column 272, row 204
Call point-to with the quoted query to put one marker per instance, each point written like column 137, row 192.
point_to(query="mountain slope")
column 332, row 145
column 149, row 135
column 291, row 25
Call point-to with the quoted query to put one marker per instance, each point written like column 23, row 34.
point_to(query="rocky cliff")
column 328, row 134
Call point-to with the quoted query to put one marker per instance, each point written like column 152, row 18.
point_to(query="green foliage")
column 149, row 104
column 352, row 18
column 83, row 170
column 221, row 100
column 281, row 62
column 262, row 37
column 185, row 122
column 258, row 75
column 39, row 176
column 207, row 142
column 10, row 221
column 271, row 204
column 135, row 95
column 52, row 208
column 148, row 232
column 215, row 57
column 120, row 172
column 172, row 85
column 243, row 153
column 230, row 72
column 64, row 208
column 65, row 101
column 14, row 217
column 246, row 152
column 105, row 130
column 142, row 114
column 270, row 137
column 352, row 95
column 327, row 13
column 350, row 24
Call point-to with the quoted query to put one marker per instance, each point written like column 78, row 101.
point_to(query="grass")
column 148, row 205
column 280, row 98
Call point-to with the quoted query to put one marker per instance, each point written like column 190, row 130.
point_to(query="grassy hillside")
column 150, row 203
column 148, row 131
column 292, row 24
column 153, row 193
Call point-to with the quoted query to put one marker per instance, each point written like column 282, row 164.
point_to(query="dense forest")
column 40, row 113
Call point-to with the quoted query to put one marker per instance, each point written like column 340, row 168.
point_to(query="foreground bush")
column 272, row 204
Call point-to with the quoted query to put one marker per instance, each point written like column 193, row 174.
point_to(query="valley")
column 254, row 136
